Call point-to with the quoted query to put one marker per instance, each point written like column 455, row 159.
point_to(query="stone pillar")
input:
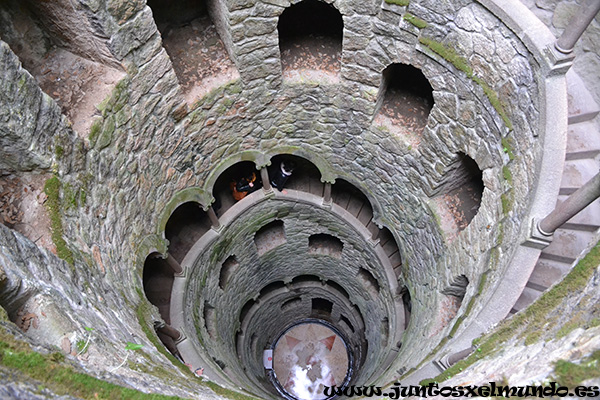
column 264, row 175
column 577, row 25
column 169, row 331
column 214, row 220
column 174, row 264
column 327, row 193
column 573, row 205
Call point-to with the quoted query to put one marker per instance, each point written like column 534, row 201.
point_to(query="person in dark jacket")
column 280, row 175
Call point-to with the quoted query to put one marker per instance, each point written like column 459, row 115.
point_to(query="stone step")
column 568, row 244
column 576, row 173
column 528, row 296
column 583, row 141
column 582, row 106
column 547, row 272
column 355, row 206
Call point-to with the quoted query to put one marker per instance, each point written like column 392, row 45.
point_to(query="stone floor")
column 404, row 115
column 313, row 58
column 309, row 357
column 77, row 84
column 199, row 57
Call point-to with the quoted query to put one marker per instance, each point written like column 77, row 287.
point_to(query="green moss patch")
column 416, row 21
column 95, row 130
column 460, row 63
column 402, row 3
column 530, row 322
column 62, row 379
column 507, row 146
column 52, row 189
column 570, row 374
column 507, row 202
column 507, row 175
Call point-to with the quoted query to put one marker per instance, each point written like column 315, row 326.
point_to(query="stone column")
column 572, row 206
column 327, row 193
column 169, row 331
column 577, row 25
column 214, row 220
column 264, row 175
column 173, row 264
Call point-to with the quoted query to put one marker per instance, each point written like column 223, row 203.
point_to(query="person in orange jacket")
column 244, row 186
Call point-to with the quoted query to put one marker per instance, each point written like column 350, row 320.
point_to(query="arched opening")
column 321, row 307
column 305, row 278
column 210, row 320
column 459, row 195
column 199, row 56
column 228, row 270
column 303, row 174
column 369, row 282
column 291, row 304
column 310, row 38
column 269, row 237
column 186, row 225
column 350, row 198
column 405, row 101
column 271, row 288
column 454, row 295
column 69, row 63
column 157, row 279
column 324, row 244
column 235, row 177
column 407, row 302
column 391, row 249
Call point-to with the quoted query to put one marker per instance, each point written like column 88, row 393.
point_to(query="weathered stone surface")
column 147, row 157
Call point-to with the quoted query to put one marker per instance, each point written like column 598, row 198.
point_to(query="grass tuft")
column 570, row 374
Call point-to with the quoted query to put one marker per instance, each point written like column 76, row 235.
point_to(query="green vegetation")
column 402, row 3
column 448, row 54
column 416, row 21
column 59, row 151
column 82, row 346
column 52, row 189
column 571, row 375
column 460, row 63
column 494, row 100
column 70, row 196
column 530, row 323
column 507, row 202
column 151, row 335
column 51, row 372
column 95, row 130
column 507, row 145
column 140, row 312
column 507, row 175
column 227, row 393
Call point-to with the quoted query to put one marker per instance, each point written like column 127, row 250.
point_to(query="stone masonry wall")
column 31, row 122
column 61, row 307
column 143, row 156
column 146, row 146
column 281, row 264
